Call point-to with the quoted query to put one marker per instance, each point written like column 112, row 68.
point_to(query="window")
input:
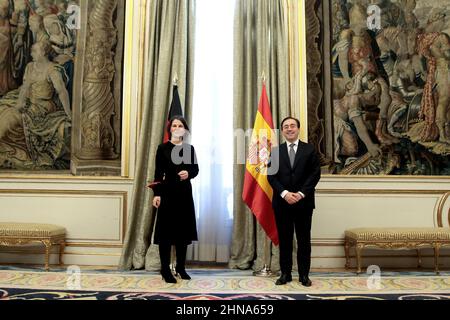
column 212, row 129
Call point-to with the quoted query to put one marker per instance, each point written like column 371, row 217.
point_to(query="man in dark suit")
column 293, row 199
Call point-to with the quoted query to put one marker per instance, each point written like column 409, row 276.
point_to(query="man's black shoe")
column 305, row 281
column 285, row 278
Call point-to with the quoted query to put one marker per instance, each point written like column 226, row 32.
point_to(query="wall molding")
column 74, row 242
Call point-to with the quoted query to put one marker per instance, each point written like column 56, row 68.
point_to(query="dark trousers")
column 164, row 256
column 287, row 221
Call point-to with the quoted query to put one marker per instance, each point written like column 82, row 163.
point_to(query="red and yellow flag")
column 257, row 192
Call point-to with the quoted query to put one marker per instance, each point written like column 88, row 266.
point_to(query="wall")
column 350, row 202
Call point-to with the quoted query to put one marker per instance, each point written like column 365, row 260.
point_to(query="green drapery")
column 261, row 47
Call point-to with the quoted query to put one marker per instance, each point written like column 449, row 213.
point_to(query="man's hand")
column 183, row 175
column 156, row 201
column 297, row 196
column 292, row 198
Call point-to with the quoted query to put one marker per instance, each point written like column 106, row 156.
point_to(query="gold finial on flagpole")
column 175, row 80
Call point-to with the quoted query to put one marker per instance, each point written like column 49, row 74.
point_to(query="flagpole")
column 173, row 258
column 265, row 271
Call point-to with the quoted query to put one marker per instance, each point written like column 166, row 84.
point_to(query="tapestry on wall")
column 390, row 91
column 46, row 121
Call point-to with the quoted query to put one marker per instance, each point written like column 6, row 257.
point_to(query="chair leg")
column 437, row 246
column 48, row 246
column 359, row 248
column 62, row 245
column 347, row 254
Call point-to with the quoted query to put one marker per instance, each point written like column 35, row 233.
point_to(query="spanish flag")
column 257, row 192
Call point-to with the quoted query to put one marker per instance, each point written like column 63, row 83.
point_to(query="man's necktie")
column 292, row 154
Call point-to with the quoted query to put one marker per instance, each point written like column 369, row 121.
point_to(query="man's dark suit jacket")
column 303, row 177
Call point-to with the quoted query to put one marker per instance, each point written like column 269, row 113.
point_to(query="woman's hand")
column 156, row 201
column 183, row 175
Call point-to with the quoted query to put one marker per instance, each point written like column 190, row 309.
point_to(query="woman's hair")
column 179, row 118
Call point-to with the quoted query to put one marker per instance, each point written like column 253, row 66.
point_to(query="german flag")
column 257, row 192
column 175, row 110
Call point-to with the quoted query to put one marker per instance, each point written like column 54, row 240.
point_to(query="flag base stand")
column 264, row 272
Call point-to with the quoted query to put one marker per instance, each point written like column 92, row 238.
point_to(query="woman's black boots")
column 164, row 256
column 181, row 261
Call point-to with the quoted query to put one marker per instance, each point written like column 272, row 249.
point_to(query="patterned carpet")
column 33, row 284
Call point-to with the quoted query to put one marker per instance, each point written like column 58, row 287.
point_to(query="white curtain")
column 212, row 130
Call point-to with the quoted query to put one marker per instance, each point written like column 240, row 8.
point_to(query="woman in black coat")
column 176, row 164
